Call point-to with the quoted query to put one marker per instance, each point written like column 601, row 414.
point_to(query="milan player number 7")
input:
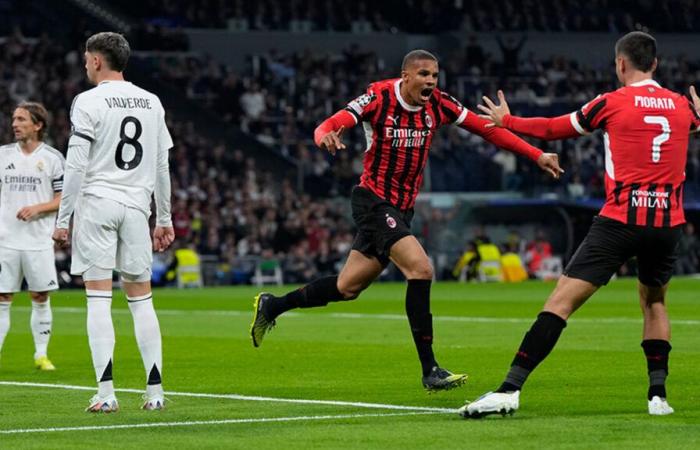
column 660, row 139
column 129, row 140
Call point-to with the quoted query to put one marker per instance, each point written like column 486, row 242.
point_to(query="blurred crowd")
column 435, row 15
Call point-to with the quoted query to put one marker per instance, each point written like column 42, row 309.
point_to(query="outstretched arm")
column 549, row 162
column 547, row 128
column 327, row 135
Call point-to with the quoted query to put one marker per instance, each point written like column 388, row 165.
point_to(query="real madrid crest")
column 40, row 165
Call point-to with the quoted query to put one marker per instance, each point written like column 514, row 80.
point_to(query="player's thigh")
column 95, row 238
column 568, row 296
column 410, row 257
column 607, row 246
column 135, row 248
column 40, row 270
column 358, row 272
column 657, row 256
column 10, row 270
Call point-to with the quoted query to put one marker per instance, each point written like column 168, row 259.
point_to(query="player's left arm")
column 164, row 233
column 547, row 128
column 453, row 111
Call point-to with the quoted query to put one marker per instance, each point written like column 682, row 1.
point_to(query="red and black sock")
column 536, row 345
column 657, row 351
column 421, row 321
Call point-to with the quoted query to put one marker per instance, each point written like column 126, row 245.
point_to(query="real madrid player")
column 117, row 159
column 30, row 190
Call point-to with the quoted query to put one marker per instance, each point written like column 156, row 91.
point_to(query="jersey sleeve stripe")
column 447, row 112
column 586, row 120
column 462, row 116
column 353, row 113
column 83, row 135
column 574, row 122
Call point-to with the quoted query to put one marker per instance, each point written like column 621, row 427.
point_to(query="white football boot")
column 659, row 406
column 107, row 404
column 491, row 403
column 154, row 403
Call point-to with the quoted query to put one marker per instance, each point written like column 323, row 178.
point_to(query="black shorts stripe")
column 651, row 212
column 666, row 217
column 632, row 209
column 394, row 150
column 377, row 159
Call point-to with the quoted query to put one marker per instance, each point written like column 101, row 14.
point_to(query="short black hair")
column 416, row 55
column 38, row 113
column 639, row 48
column 113, row 46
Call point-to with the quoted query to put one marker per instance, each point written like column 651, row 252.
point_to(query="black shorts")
column 609, row 244
column 379, row 224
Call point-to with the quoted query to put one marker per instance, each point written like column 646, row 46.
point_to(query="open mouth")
column 426, row 93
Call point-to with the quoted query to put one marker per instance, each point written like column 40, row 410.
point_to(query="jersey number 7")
column 130, row 140
column 660, row 139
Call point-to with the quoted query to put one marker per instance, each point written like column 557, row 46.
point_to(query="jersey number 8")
column 129, row 140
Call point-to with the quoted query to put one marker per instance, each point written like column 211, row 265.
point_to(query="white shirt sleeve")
column 76, row 164
column 82, row 124
column 162, row 187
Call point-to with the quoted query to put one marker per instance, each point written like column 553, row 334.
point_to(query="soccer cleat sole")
column 453, row 384
column 480, row 415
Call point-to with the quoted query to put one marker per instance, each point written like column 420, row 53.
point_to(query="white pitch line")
column 244, row 397
column 363, row 316
column 204, row 422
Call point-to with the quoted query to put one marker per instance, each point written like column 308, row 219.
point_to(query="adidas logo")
column 10, row 167
column 52, row 283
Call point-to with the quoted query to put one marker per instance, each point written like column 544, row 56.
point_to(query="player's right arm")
column 575, row 124
column 82, row 136
column 327, row 135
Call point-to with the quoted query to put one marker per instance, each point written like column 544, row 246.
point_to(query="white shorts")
column 109, row 235
column 37, row 266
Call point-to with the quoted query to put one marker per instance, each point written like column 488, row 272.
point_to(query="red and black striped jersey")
column 399, row 137
column 646, row 130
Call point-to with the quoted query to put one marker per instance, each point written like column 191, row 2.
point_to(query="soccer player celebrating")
column 400, row 117
column 646, row 130
column 117, row 158
column 30, row 190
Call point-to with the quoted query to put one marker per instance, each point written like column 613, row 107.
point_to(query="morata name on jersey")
column 654, row 102
column 21, row 183
column 128, row 102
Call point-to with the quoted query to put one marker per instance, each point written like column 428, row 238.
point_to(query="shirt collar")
column 404, row 105
column 645, row 83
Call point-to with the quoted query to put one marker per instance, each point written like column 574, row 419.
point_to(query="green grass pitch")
column 590, row 392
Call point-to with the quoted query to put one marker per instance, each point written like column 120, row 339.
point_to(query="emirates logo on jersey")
column 390, row 221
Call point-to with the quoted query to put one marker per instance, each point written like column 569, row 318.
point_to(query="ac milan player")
column 400, row 117
column 646, row 130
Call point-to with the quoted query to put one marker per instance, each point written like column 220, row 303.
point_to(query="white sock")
column 4, row 320
column 40, row 322
column 101, row 338
column 147, row 332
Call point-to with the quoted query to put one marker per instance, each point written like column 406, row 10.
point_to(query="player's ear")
column 654, row 65
column 404, row 75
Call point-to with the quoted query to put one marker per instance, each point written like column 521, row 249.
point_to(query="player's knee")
column 651, row 297
column 420, row 271
column 350, row 291
column 39, row 297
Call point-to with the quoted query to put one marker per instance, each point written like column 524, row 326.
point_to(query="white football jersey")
column 126, row 127
column 27, row 180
